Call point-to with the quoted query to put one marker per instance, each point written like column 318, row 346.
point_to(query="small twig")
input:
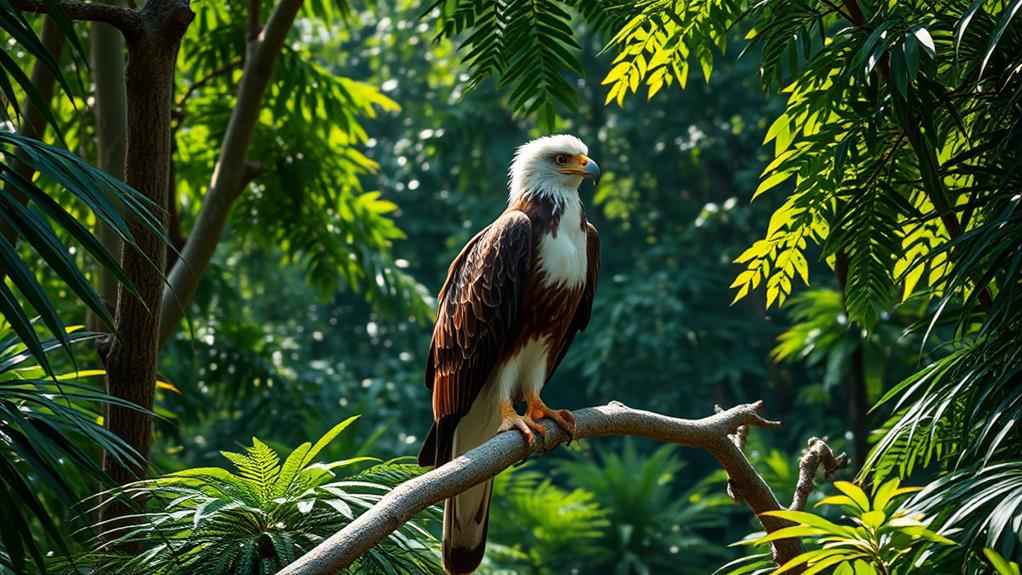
column 202, row 82
column 817, row 454
column 835, row 8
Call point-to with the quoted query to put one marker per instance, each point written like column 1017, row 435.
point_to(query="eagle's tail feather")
column 467, row 514
column 427, row 455
column 466, row 518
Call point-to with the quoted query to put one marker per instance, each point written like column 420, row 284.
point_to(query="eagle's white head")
column 553, row 166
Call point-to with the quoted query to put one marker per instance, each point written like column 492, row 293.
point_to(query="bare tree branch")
column 716, row 434
column 205, row 80
column 817, row 454
column 128, row 21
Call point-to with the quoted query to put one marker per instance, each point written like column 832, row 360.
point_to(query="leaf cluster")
column 263, row 515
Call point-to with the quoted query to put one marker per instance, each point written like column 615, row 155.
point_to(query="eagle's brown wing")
column 585, row 306
column 478, row 310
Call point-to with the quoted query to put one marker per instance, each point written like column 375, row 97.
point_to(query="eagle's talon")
column 562, row 417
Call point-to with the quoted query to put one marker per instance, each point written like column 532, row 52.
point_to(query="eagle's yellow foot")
column 562, row 417
column 511, row 420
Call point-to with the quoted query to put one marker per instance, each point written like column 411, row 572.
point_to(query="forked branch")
column 721, row 434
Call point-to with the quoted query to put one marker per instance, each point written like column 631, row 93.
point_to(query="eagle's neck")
column 554, row 198
column 552, row 205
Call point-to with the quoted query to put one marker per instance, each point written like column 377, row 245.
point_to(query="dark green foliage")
column 655, row 523
column 541, row 528
column 895, row 123
column 527, row 46
column 14, row 81
column 48, row 438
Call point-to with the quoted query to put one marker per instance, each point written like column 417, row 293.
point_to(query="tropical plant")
column 981, row 504
column 263, row 516
column 30, row 213
column 48, row 437
column 527, row 46
column 545, row 529
column 884, row 538
column 653, row 522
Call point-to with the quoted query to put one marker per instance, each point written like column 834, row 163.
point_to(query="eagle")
column 514, row 298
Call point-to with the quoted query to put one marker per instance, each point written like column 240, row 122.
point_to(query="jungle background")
column 381, row 145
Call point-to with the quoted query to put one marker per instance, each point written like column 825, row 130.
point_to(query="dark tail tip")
column 462, row 560
column 427, row 455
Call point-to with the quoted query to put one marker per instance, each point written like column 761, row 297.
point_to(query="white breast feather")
column 563, row 259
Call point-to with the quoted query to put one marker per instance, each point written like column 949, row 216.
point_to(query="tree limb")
column 818, row 453
column 719, row 434
column 202, row 82
column 230, row 174
column 128, row 21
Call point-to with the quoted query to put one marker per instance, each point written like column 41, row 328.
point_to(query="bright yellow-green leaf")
column 772, row 181
column 742, row 292
column 812, row 557
column 837, row 500
column 168, row 386
column 616, row 73
column 826, row 563
column 756, row 250
column 772, row 293
column 873, row 519
column 805, row 518
column 782, row 123
column 801, row 265
column 855, row 493
column 863, row 568
column 911, row 280
column 885, row 493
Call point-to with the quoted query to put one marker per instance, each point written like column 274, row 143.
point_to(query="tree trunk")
column 131, row 357
column 107, row 61
column 858, row 406
column 858, row 403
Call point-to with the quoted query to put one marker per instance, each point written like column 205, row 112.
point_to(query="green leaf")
column 772, row 181
column 854, row 493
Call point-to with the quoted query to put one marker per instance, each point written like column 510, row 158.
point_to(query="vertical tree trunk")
column 107, row 62
column 131, row 357
column 858, row 404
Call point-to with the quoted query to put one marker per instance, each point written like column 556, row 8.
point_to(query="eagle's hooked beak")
column 592, row 171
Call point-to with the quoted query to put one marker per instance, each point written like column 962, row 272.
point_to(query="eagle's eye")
column 561, row 159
